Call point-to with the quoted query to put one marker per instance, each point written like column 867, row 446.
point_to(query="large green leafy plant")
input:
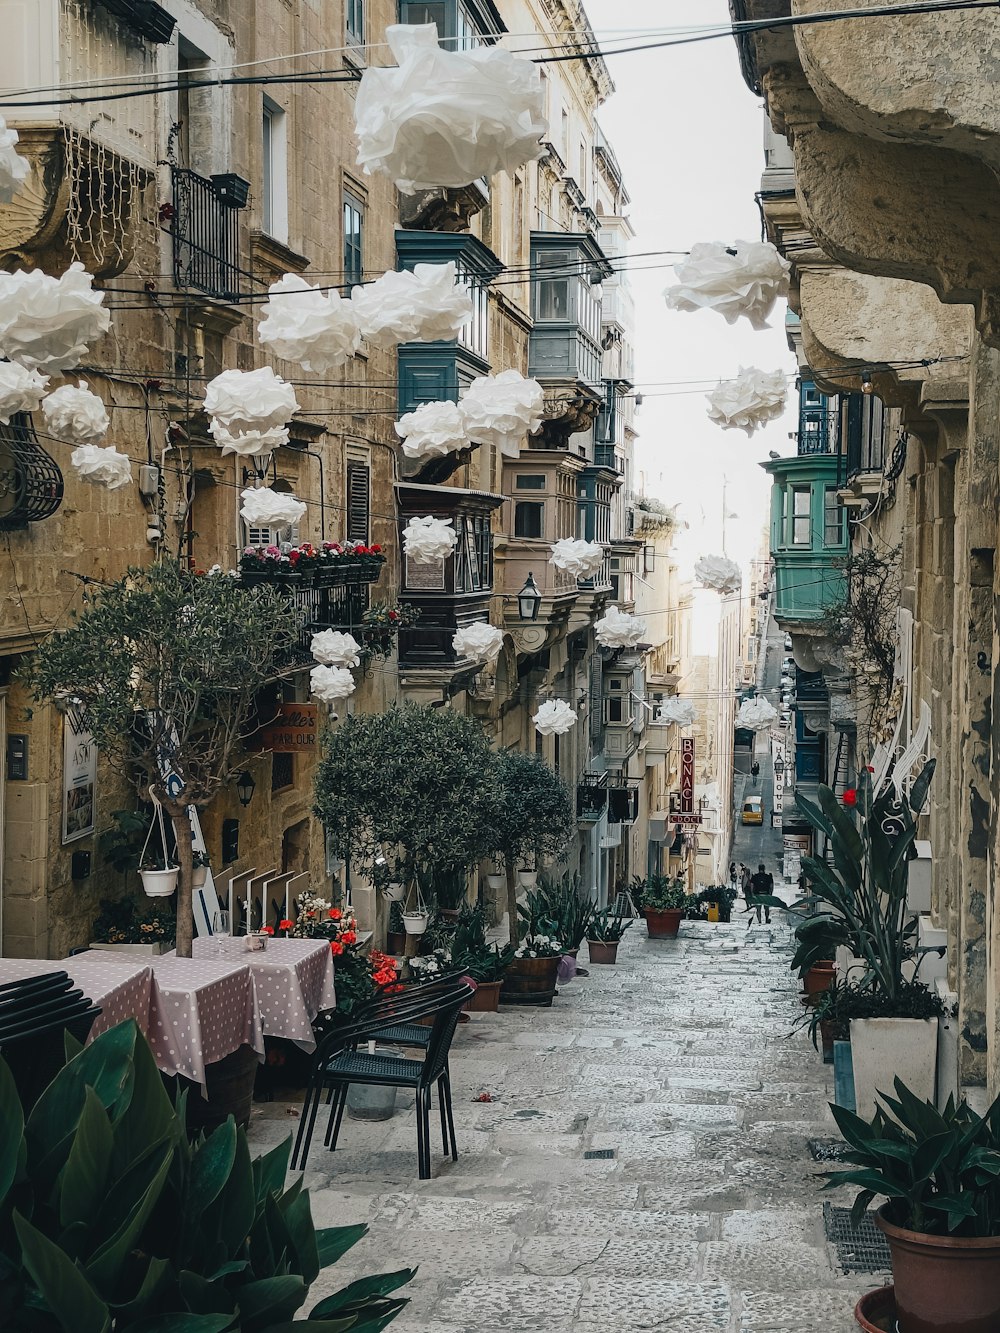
column 859, row 900
column 557, row 908
column 111, row 1220
column 939, row 1170
column 663, row 893
column 163, row 667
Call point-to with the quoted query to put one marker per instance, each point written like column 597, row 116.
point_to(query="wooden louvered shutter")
column 358, row 502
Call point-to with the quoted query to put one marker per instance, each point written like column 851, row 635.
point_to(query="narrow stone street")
column 706, row 1216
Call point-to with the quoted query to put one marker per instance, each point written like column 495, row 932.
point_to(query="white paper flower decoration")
column 445, row 118
column 481, row 641
column 249, row 443
column 250, row 400
column 13, row 168
column 333, row 648
column 103, row 467
column 581, row 559
column 432, row 430
column 75, row 415
column 618, row 629
column 330, row 684
column 678, row 712
column 755, row 714
column 264, row 508
column 49, row 323
column 315, row 329
column 752, row 399
column 502, row 410
column 718, row 573
column 21, row 389
column 554, row 718
column 422, row 305
column 428, row 540
column 747, row 282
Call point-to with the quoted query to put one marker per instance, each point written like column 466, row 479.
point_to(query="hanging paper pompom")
column 317, row 330
column 49, row 323
column 480, row 641
column 718, row 573
column 432, row 430
column 446, row 118
column 333, row 648
column 752, row 399
column 248, row 443
column 250, row 400
column 618, row 629
column 581, row 559
column 21, row 389
column 13, row 168
column 264, row 508
column 679, row 712
column 428, row 540
column 426, row 305
column 102, row 467
column 554, row 718
column 746, row 282
column 330, row 684
column 75, row 415
column 755, row 714
column 502, row 410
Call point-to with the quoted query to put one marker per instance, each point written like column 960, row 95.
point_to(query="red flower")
column 286, row 924
column 871, row 769
column 850, row 796
column 336, row 948
column 349, row 937
column 375, row 549
column 335, row 914
column 267, row 930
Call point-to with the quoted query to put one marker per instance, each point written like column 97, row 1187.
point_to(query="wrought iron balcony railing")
column 206, row 232
column 31, row 485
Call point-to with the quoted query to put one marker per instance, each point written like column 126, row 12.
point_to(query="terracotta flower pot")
column 818, row 979
column 944, row 1284
column 603, row 951
column 876, row 1311
column 448, row 913
column 395, row 942
column 530, row 981
column 663, row 925
column 486, row 999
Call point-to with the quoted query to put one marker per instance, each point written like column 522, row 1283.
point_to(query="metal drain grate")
column 827, row 1150
column 598, row 1154
column 859, row 1250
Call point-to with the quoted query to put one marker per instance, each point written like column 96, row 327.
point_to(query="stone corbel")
column 442, row 210
column 566, row 413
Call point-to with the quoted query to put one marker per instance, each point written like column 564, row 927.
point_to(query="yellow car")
column 753, row 810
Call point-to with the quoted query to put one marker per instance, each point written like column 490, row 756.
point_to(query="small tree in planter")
column 164, row 666
column 534, row 816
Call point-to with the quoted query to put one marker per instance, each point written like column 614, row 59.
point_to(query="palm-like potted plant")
column 604, row 934
column 485, row 963
column 663, row 901
column 557, row 908
column 940, row 1174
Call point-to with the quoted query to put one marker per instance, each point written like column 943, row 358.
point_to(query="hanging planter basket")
column 394, row 892
column 160, row 883
column 496, row 882
column 415, row 923
column 199, row 877
column 527, row 879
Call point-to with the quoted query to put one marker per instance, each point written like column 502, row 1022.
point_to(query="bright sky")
column 689, row 136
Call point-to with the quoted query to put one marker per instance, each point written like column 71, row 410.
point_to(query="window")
column 354, row 11
column 529, row 518
column 473, row 553
column 274, row 172
column 282, row 771
column 530, row 481
column 801, row 526
column 358, row 500
column 564, row 136
column 354, row 241
column 833, row 518
column 554, row 296
column 583, row 166
column 456, row 26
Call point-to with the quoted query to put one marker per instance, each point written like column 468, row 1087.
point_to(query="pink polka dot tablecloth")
column 122, row 987
column 294, row 980
column 202, row 1010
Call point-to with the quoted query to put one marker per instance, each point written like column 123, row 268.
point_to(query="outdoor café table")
column 122, row 987
column 294, row 980
column 203, row 1009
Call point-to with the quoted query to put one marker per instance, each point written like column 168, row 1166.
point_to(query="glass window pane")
column 528, row 517
column 353, row 241
column 267, row 181
column 530, row 481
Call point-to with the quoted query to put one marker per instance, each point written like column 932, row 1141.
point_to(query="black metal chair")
column 339, row 1063
column 35, row 1015
column 411, row 1034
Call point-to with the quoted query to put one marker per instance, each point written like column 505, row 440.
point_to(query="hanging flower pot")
column 159, row 883
column 415, row 923
column 394, row 891
column 496, row 882
column 527, row 879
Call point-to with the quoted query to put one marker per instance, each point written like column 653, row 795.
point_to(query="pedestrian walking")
column 755, row 771
column 732, row 874
column 762, row 884
column 745, row 885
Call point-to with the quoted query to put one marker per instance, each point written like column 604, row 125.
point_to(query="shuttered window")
column 359, row 489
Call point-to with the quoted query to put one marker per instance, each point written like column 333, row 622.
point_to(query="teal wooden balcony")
column 809, row 538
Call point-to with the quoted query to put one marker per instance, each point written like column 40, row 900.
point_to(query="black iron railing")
column 31, row 485
column 819, row 431
column 206, row 232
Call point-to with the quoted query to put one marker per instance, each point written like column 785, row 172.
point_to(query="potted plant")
column 556, row 908
column 415, row 921
column 663, row 901
column 199, row 869
column 717, row 902
column 530, row 977
column 447, row 885
column 121, row 929
column 395, row 939
column 940, row 1174
column 159, row 877
column 486, row 964
column 604, row 934
column 526, row 877
column 496, row 880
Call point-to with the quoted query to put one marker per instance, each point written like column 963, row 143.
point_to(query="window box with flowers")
column 122, row 929
column 340, row 563
column 381, row 624
column 268, row 564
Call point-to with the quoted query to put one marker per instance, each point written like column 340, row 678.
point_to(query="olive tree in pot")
column 533, row 817
column 163, row 667
column 939, row 1172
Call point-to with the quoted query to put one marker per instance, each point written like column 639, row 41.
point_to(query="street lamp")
column 245, row 787
column 529, row 599
column 779, row 768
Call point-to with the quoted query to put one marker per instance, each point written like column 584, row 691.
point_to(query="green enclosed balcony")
column 809, row 539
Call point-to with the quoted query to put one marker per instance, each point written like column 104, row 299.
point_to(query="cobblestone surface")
column 708, row 1218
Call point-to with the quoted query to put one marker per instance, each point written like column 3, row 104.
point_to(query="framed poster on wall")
column 79, row 814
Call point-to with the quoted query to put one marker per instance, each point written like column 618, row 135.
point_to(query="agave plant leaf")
column 232, row 1215
column 920, row 788
column 844, row 828
column 814, row 815
column 203, row 1296
column 209, row 1172
column 268, row 1300
column 11, row 1139
column 269, row 1171
column 68, row 1294
column 107, row 1263
column 84, row 1177
column 149, row 1116
column 298, row 1219
column 352, row 1299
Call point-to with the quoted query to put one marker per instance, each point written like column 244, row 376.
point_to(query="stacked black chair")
column 35, row 1015
column 339, row 1062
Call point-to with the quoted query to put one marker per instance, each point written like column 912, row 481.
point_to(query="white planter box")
column 143, row 950
column 884, row 1049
